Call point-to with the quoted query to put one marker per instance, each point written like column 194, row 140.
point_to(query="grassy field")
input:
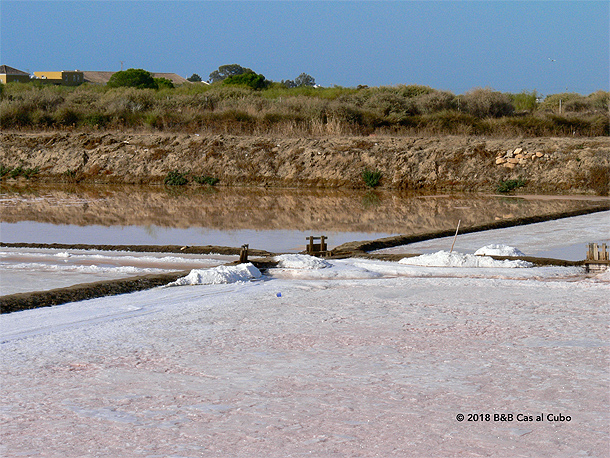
column 276, row 110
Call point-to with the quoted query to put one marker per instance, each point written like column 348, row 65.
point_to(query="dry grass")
column 399, row 110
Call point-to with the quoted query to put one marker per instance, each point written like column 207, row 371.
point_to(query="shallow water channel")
column 276, row 220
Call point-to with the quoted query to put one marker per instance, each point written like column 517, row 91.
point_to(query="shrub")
column 509, row 185
column 568, row 101
column 371, row 177
column 67, row 117
column 525, row 101
column 205, row 180
column 599, row 101
column 484, row 103
column 164, row 83
column 70, row 175
column 435, row 102
column 29, row 173
column 249, row 79
column 387, row 103
column 175, row 178
column 415, row 90
column 20, row 171
column 134, row 77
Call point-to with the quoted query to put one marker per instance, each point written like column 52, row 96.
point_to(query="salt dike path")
column 347, row 358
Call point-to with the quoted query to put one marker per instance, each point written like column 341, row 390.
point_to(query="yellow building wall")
column 4, row 78
column 63, row 78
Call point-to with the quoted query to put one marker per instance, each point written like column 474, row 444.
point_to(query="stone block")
column 509, row 165
column 518, row 151
column 500, row 160
column 513, row 160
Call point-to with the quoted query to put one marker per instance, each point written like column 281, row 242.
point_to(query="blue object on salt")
column 279, row 294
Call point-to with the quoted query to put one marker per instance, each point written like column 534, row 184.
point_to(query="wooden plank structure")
column 317, row 249
column 597, row 257
column 243, row 254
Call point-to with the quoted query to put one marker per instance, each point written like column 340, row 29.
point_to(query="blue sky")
column 450, row 45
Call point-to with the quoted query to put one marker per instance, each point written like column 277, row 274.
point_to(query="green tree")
column 226, row 71
column 164, row 83
column 194, row 78
column 134, row 77
column 250, row 79
column 304, row 80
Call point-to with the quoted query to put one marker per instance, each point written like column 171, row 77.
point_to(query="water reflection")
column 224, row 213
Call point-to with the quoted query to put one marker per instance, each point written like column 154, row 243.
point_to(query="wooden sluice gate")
column 317, row 249
column 597, row 257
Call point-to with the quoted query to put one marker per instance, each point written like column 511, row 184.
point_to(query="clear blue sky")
column 450, row 45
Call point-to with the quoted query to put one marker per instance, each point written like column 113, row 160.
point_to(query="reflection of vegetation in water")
column 513, row 201
column 205, row 190
column 151, row 230
column 175, row 191
column 371, row 199
column 228, row 208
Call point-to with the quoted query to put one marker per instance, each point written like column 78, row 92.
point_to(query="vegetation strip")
column 246, row 103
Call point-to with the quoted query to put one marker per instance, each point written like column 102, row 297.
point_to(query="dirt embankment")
column 574, row 165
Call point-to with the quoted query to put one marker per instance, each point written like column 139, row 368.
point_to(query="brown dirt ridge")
column 579, row 165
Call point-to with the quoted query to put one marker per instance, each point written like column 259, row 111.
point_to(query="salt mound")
column 300, row 261
column 454, row 259
column 498, row 250
column 219, row 275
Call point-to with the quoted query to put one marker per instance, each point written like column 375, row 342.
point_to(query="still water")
column 276, row 220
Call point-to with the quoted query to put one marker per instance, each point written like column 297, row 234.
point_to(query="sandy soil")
column 574, row 165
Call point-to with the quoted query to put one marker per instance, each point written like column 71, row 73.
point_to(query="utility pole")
column 122, row 65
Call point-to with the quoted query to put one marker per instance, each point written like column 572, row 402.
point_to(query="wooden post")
column 243, row 254
column 455, row 237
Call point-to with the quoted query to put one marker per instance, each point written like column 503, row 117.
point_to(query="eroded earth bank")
column 456, row 163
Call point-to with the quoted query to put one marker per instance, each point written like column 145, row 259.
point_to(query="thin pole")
column 455, row 237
